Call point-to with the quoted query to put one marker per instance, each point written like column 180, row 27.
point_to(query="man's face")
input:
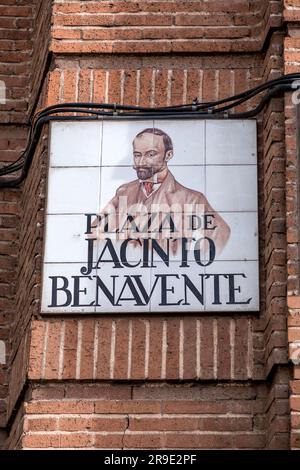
column 149, row 155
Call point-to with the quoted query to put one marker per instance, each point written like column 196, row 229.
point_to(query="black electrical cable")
column 95, row 111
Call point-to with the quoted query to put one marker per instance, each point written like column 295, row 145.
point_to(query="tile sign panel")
column 151, row 216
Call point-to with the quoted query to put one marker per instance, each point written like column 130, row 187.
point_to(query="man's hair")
column 166, row 139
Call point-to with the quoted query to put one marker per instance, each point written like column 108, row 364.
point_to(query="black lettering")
column 88, row 269
column 199, row 248
column 106, row 291
column 109, row 246
column 135, row 295
column 165, row 289
column 194, row 222
column 146, row 250
column 170, row 227
column 208, row 220
column 184, row 252
column 77, row 291
column 129, row 225
column 89, row 222
column 233, row 289
column 123, row 254
column 63, row 288
column 143, row 290
column 216, row 290
column 164, row 255
column 188, row 284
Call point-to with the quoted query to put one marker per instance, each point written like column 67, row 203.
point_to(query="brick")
column 55, row 391
column 40, row 424
column 52, row 348
column 198, row 441
column 75, row 440
column 70, row 347
column 84, row 91
column 58, row 33
column 294, row 318
column 58, row 407
column 40, row 441
column 294, row 334
column 121, row 350
column 211, row 407
column 155, row 349
column 189, row 348
column 87, row 349
column 127, row 407
column 295, row 421
column 223, row 353
column 250, row 441
column 190, row 424
column 294, row 301
column 36, row 349
column 295, row 387
column 143, row 441
column 104, row 350
column 241, row 348
column 97, row 391
column 53, row 87
column 138, row 349
column 114, row 87
column 193, row 79
column 99, row 86
column 295, row 403
column 295, row 440
column 108, row 424
column 109, row 441
column 146, row 75
column 129, row 87
column 69, row 88
column 206, row 348
column 161, row 86
column 74, row 424
column 172, row 359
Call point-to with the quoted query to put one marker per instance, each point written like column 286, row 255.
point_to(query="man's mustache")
column 137, row 167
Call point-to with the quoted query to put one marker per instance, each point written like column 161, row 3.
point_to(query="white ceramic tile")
column 108, row 191
column 188, row 137
column 75, row 143
column 173, row 287
column 232, row 188
column 230, row 142
column 191, row 177
column 73, row 190
column 111, row 180
column 132, row 284
column 117, row 141
column 62, row 276
column 243, row 240
column 245, row 282
column 66, row 240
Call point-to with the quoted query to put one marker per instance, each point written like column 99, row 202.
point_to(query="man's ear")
column 169, row 155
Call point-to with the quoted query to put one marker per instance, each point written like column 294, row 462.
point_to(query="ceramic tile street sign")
column 151, row 216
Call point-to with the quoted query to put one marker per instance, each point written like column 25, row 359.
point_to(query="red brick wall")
column 291, row 58
column 157, row 53
column 152, row 416
column 15, row 53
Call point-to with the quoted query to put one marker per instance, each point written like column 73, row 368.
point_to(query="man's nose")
column 142, row 160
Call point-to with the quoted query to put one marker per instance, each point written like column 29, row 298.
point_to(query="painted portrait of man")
column 156, row 189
